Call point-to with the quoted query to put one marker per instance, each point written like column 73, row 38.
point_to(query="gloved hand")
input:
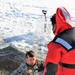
column 41, row 67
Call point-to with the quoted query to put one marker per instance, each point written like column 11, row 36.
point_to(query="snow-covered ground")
column 22, row 23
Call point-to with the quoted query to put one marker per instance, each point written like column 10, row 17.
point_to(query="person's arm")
column 52, row 59
column 20, row 70
column 51, row 69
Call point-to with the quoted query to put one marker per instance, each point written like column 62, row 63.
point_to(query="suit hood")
column 63, row 20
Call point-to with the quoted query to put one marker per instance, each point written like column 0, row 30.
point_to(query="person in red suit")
column 60, row 59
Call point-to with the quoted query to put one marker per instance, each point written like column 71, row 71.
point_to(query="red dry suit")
column 61, row 51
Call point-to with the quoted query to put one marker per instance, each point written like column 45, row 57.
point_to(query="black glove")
column 40, row 67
